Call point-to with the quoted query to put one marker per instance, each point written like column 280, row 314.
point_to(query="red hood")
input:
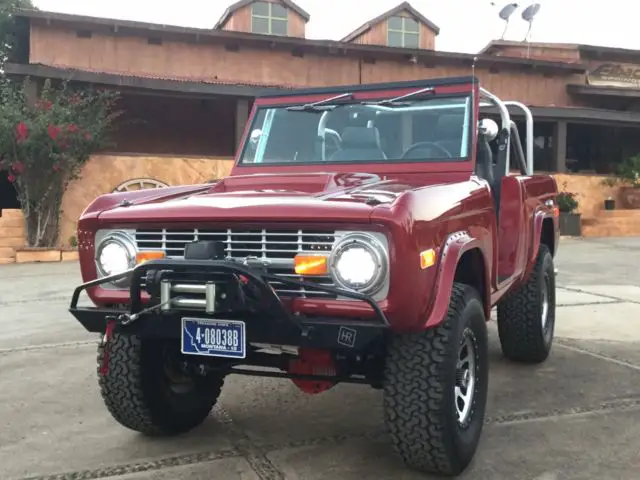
column 284, row 197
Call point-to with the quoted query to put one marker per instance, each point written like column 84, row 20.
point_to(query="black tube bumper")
column 267, row 320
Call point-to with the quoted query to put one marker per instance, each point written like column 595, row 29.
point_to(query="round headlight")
column 116, row 253
column 359, row 262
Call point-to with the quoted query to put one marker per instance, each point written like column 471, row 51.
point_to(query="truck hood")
column 285, row 197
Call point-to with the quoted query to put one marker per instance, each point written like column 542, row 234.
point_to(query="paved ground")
column 575, row 417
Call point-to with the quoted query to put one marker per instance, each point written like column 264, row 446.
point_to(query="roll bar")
column 510, row 126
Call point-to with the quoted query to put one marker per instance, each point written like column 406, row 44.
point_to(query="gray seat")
column 360, row 143
column 484, row 160
column 449, row 133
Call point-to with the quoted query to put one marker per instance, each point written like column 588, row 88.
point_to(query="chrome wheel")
column 545, row 302
column 465, row 377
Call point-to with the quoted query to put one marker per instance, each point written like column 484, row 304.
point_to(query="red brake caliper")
column 313, row 362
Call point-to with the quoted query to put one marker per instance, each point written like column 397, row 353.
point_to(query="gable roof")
column 403, row 7
column 243, row 3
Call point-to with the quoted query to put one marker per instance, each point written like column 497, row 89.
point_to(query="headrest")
column 450, row 127
column 361, row 137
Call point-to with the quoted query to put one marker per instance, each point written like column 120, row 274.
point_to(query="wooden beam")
column 123, row 82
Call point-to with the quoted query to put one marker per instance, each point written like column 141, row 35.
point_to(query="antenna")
column 505, row 14
column 528, row 15
column 473, row 91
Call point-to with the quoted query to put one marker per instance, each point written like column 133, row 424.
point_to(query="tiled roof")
column 213, row 80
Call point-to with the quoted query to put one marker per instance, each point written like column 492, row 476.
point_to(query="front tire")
column 527, row 316
column 435, row 388
column 143, row 392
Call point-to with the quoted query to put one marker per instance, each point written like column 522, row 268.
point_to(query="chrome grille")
column 277, row 247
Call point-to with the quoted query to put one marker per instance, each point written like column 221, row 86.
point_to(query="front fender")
column 455, row 246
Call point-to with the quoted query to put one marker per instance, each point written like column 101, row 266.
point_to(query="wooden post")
column 242, row 115
column 560, row 146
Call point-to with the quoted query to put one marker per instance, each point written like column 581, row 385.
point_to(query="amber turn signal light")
column 142, row 257
column 427, row 258
column 311, row 264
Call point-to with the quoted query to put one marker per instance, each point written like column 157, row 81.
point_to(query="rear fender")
column 538, row 225
column 454, row 248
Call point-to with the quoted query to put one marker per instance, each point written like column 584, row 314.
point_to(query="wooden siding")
column 134, row 56
column 377, row 34
column 240, row 21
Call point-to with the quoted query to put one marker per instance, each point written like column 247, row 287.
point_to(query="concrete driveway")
column 575, row 417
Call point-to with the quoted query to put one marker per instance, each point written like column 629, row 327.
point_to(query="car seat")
column 360, row 143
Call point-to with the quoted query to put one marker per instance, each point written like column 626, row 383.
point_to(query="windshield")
column 435, row 129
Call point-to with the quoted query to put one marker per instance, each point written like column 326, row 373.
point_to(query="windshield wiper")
column 397, row 101
column 322, row 105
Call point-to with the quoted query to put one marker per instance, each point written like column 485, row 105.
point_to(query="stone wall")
column 103, row 173
column 589, row 190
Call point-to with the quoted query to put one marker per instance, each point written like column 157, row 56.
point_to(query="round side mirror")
column 488, row 128
column 255, row 135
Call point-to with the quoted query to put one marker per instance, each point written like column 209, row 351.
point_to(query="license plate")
column 213, row 338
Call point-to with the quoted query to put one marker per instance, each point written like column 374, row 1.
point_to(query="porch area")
column 583, row 148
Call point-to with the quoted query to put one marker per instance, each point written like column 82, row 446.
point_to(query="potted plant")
column 570, row 220
column 629, row 176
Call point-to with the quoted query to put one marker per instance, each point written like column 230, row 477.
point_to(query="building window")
column 403, row 32
column 269, row 18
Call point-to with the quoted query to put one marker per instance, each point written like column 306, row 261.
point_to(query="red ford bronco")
column 364, row 236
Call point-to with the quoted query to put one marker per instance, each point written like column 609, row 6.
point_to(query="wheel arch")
column 472, row 270
column 548, row 234
column 464, row 260
column 545, row 231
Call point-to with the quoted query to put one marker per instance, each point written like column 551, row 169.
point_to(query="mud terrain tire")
column 421, row 379
column 525, row 326
column 136, row 390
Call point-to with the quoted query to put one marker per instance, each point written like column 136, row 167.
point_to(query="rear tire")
column 431, row 429
column 137, row 389
column 527, row 316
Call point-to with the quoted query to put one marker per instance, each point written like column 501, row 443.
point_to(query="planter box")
column 69, row 255
column 630, row 197
column 570, row 224
column 37, row 255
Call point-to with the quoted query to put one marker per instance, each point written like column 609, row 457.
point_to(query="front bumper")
column 248, row 296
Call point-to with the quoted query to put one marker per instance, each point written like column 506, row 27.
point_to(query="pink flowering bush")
column 44, row 142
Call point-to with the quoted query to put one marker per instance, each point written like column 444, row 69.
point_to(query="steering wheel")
column 415, row 146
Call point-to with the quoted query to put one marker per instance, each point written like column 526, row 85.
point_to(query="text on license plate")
column 213, row 338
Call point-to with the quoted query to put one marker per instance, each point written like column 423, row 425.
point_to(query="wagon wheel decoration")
column 139, row 184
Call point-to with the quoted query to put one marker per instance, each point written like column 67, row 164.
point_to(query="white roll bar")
column 529, row 132
column 505, row 118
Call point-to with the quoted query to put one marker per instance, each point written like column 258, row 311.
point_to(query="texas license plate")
column 213, row 338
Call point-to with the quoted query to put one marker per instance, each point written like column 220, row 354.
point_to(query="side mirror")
column 488, row 128
column 255, row 135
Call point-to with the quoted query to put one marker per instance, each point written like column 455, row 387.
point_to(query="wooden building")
column 187, row 92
